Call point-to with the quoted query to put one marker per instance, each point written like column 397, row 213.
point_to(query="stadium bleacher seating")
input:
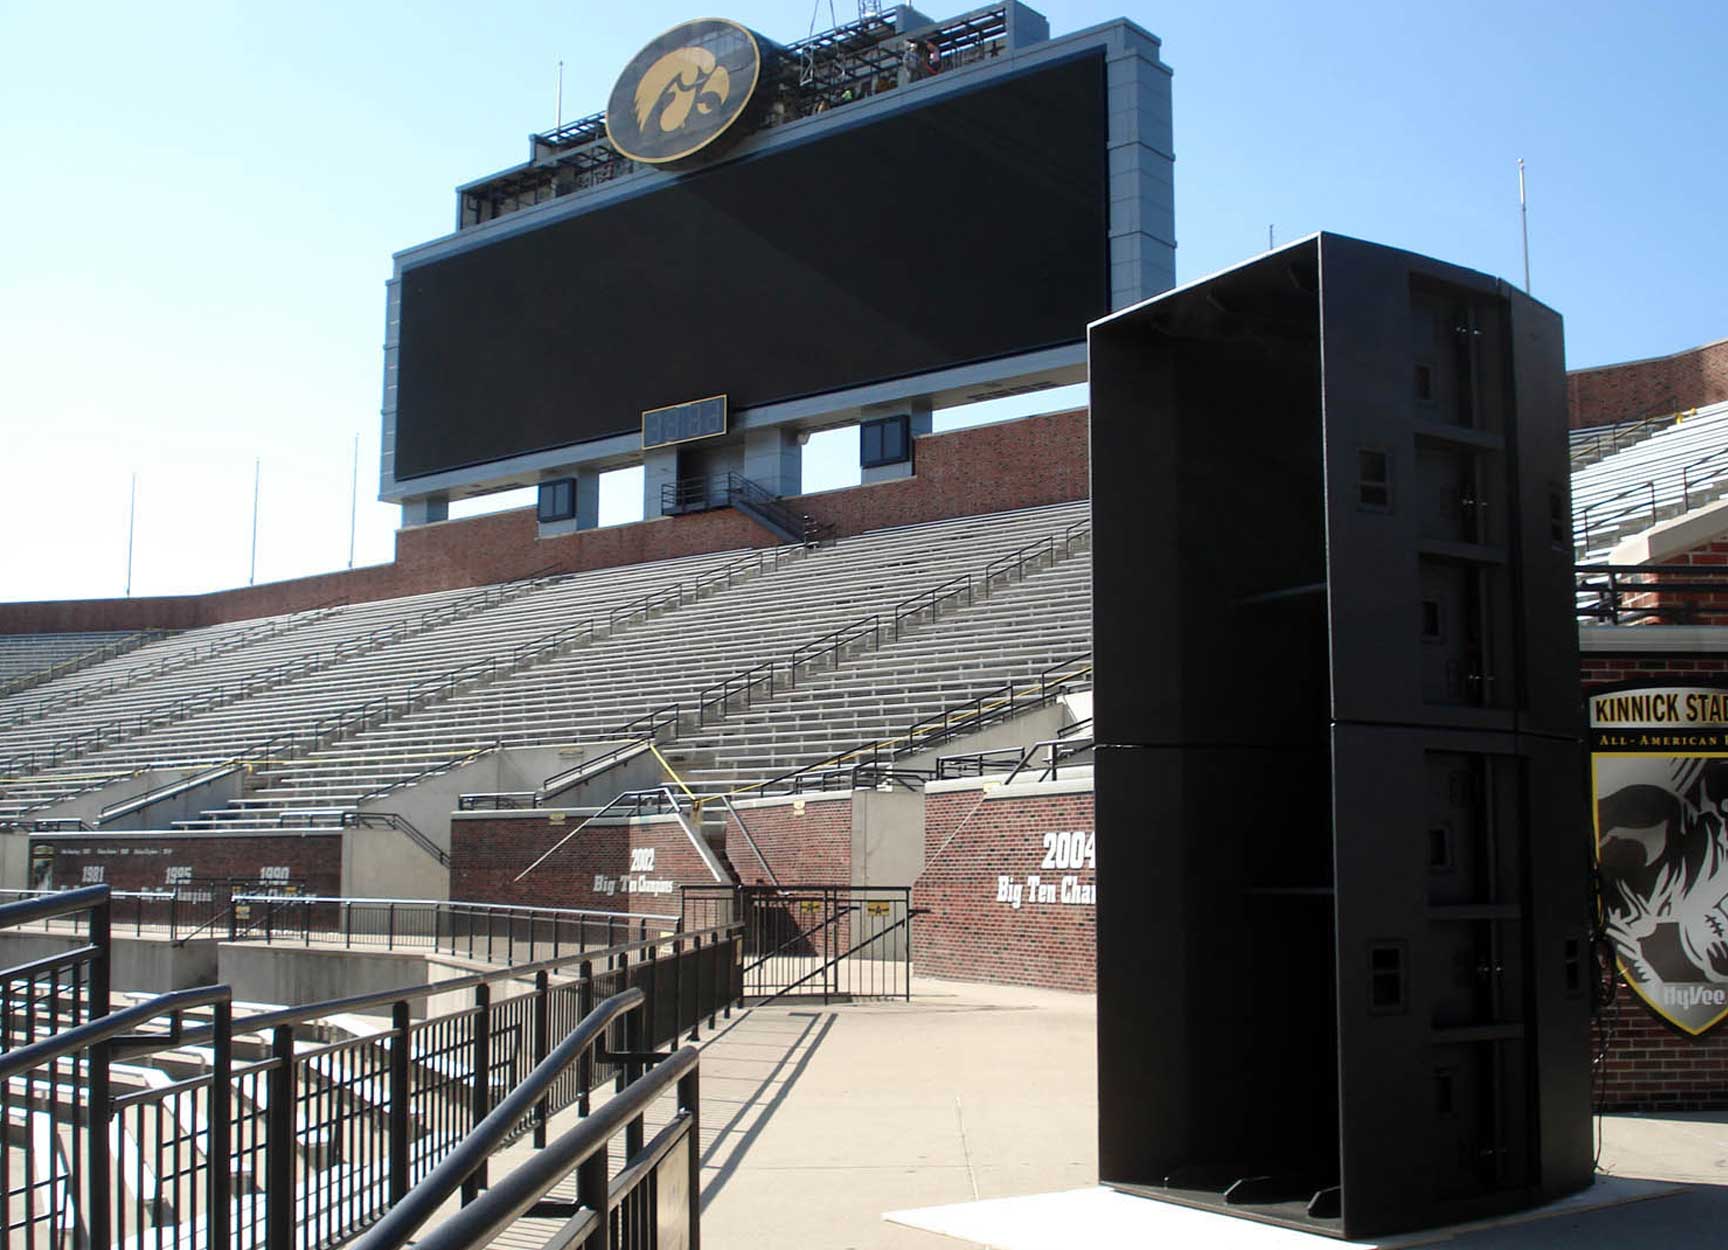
column 28, row 659
column 1681, row 466
column 365, row 697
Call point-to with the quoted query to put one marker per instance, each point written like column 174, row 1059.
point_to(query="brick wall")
column 973, row 848
column 592, row 871
column 1648, row 388
column 142, row 862
column 805, row 841
column 1652, row 1066
column 1017, row 464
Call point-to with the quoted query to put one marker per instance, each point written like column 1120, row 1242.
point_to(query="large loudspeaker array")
column 1343, row 954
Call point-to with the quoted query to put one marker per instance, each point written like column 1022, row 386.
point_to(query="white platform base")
column 1104, row 1218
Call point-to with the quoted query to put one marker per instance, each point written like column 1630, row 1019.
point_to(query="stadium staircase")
column 1678, row 465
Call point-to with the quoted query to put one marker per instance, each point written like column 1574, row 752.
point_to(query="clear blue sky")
column 201, row 200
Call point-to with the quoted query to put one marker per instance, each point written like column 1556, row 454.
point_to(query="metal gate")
column 833, row 942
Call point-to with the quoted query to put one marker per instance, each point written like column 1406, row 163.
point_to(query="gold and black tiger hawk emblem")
column 684, row 91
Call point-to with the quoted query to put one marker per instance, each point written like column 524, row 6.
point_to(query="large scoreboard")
column 969, row 222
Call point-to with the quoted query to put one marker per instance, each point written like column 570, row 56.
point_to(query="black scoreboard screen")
column 966, row 229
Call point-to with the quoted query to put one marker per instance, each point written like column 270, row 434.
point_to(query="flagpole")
column 354, row 502
column 131, row 523
column 1524, row 223
column 252, row 572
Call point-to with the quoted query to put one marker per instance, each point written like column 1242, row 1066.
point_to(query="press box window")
column 557, row 500
column 888, row 441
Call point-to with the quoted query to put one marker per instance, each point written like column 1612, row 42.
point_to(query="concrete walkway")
column 817, row 1120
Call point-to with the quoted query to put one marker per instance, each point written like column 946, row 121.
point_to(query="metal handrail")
column 1686, row 476
column 666, row 715
column 749, row 838
column 422, row 1202
column 401, row 824
column 1615, row 441
column 1016, row 560
column 125, row 807
column 738, row 683
column 645, row 606
column 1053, row 762
column 114, row 1025
column 431, row 770
column 518, row 1194
column 832, row 644
column 57, row 903
column 903, row 744
column 932, row 599
column 559, row 782
column 1690, row 579
column 472, row 980
column 519, row 657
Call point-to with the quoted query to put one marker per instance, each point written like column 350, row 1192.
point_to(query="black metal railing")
column 583, row 1150
column 734, row 490
column 928, row 604
column 976, row 713
column 313, row 1131
column 1016, row 761
column 400, row 824
column 834, row 645
column 1651, row 594
column 177, row 912
column 489, row 932
column 742, row 688
column 1585, row 449
column 564, row 780
column 843, row 942
column 1646, row 502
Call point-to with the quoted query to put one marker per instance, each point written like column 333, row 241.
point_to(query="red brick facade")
column 1648, row 388
column 997, row 912
column 1652, row 1066
column 805, row 841
column 593, row 871
column 1017, row 464
column 151, row 861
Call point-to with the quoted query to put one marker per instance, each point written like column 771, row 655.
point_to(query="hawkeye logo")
column 684, row 91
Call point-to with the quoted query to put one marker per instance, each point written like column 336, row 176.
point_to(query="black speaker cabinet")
column 1342, row 944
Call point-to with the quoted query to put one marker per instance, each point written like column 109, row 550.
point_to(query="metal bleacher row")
column 333, row 707
column 1671, row 469
column 27, row 658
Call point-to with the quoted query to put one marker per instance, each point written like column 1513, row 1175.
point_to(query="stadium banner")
column 1659, row 769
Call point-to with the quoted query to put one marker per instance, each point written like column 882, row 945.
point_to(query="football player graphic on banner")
column 1661, row 799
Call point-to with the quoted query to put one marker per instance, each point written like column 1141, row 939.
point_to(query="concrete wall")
column 185, row 805
column 140, row 964
column 14, row 861
column 887, row 836
column 293, row 976
column 379, row 862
